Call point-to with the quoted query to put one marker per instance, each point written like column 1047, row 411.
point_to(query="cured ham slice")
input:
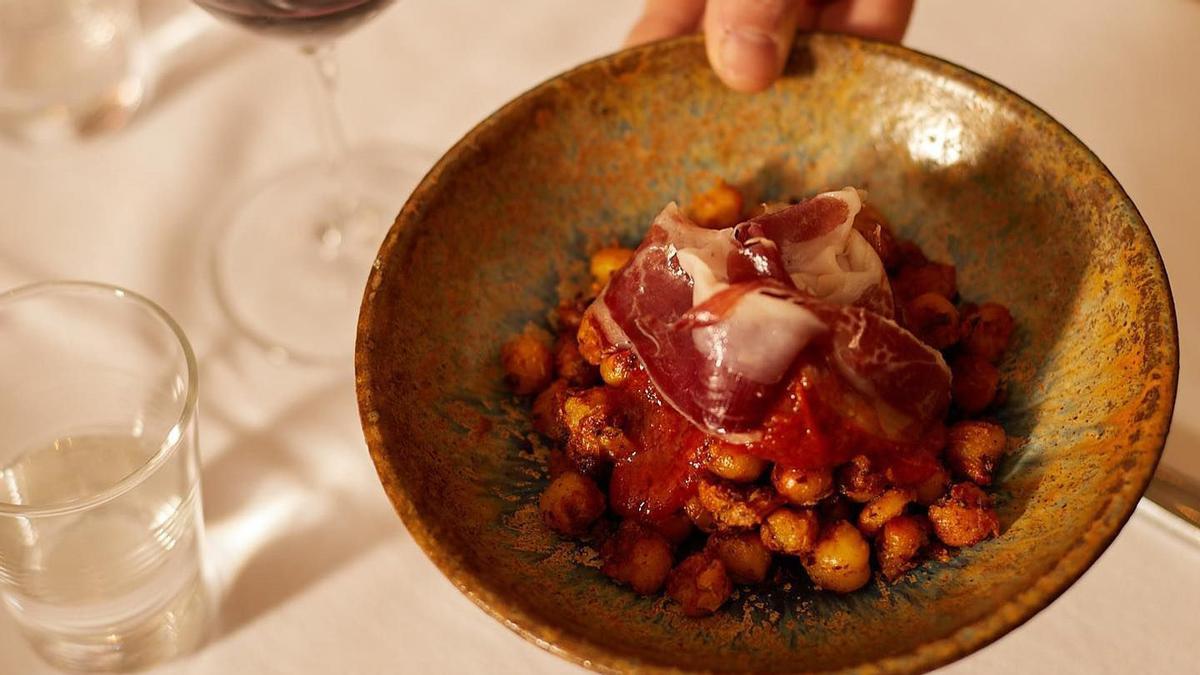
column 822, row 252
column 720, row 317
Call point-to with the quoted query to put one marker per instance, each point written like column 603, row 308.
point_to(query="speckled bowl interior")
column 974, row 173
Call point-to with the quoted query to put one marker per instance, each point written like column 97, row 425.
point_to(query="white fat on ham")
column 840, row 266
column 763, row 333
column 760, row 338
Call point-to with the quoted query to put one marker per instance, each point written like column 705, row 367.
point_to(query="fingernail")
column 749, row 59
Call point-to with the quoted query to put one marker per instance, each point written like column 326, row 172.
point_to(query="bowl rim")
column 579, row 649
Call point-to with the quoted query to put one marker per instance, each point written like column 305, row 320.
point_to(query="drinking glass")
column 296, row 249
column 101, row 530
column 70, row 68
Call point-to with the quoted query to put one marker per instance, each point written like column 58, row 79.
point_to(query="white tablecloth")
column 320, row 576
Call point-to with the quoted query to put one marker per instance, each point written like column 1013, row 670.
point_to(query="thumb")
column 748, row 40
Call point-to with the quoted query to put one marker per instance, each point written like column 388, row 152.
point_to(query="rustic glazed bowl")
column 974, row 173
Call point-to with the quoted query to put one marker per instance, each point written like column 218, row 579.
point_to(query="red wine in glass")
column 303, row 19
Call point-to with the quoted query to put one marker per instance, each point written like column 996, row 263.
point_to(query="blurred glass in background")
column 70, row 68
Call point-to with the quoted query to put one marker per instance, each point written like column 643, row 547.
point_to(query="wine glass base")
column 293, row 258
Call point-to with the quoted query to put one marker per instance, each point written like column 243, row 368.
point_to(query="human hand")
column 748, row 40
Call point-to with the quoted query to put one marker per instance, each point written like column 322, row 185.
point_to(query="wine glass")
column 292, row 260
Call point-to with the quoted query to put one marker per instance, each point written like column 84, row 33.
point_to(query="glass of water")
column 101, row 530
column 70, row 68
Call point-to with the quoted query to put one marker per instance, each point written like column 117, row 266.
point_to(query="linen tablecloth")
column 318, row 574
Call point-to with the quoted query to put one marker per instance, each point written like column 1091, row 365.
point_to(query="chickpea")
column 675, row 528
column 964, row 516
column 734, row 505
column 790, row 530
column 916, row 280
column 699, row 584
column 934, row 486
column 933, row 319
column 616, row 368
column 595, row 436
column 718, row 208
column 802, row 486
column 857, row 481
column 569, row 314
column 973, row 449
column 899, row 543
column 637, row 556
column 590, row 342
column 871, row 224
column 607, row 261
column 547, row 408
column 841, row 560
column 570, row 363
column 571, row 503
column 986, row 331
column 974, row 384
column 882, row 509
column 731, row 462
column 745, row 557
column 599, row 444
column 701, row 517
column 590, row 404
column 528, row 363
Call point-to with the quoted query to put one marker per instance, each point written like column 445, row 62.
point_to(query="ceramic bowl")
column 974, row 173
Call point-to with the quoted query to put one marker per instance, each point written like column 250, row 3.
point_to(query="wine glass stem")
column 336, row 150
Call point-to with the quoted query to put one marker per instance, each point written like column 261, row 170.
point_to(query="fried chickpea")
column 528, row 363
column 569, row 314
column 570, row 364
column 700, row 516
column 986, row 331
column 858, row 481
column 730, row 462
column 616, row 368
column 700, row 584
column 637, row 557
column 605, row 263
column 745, row 557
column 547, row 409
column 578, row 408
column 571, row 503
column 717, row 208
column 933, row 319
column 964, row 516
column 802, row 486
column 734, row 505
column 973, row 449
column 899, row 543
column 594, row 435
column 974, row 383
column 790, row 530
column 933, row 487
column 591, row 344
column 883, row 508
column 841, row 560
column 916, row 280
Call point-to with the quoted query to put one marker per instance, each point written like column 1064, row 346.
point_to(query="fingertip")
column 746, row 60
